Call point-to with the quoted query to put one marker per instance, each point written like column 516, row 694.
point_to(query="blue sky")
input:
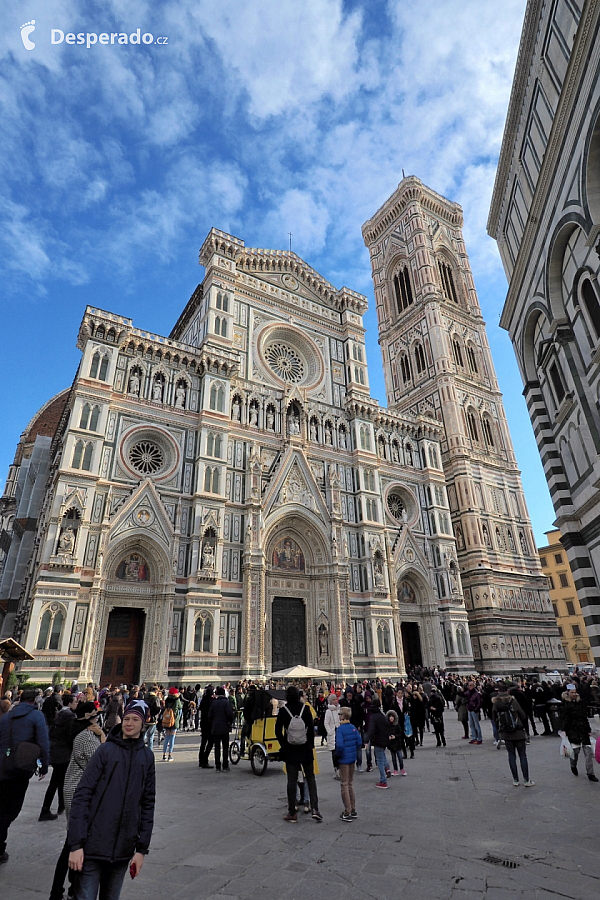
column 258, row 117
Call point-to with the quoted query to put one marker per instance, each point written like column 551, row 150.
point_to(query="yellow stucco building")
column 565, row 601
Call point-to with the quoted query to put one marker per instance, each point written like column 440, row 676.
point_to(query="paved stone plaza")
column 222, row 836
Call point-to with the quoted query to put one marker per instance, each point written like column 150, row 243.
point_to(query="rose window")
column 395, row 505
column 285, row 362
column 146, row 457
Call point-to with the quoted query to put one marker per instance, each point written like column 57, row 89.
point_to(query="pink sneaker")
column 395, row 772
column 404, row 772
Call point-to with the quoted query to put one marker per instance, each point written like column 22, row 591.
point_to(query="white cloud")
column 299, row 212
column 287, row 54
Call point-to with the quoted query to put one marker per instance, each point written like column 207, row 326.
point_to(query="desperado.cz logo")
column 88, row 38
column 27, row 29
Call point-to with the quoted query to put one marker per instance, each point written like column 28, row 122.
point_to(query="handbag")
column 21, row 759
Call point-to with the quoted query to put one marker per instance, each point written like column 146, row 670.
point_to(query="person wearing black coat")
column 220, row 717
column 206, row 742
column 437, row 705
column 50, row 707
column 540, row 694
column 61, row 744
column 112, row 813
column 378, row 735
column 575, row 725
column 297, row 756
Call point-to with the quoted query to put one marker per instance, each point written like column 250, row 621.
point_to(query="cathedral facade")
column 230, row 500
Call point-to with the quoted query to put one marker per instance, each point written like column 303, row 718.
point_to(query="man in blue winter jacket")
column 23, row 723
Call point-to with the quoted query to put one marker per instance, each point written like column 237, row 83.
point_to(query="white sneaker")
column 516, row 783
column 359, row 768
column 529, row 783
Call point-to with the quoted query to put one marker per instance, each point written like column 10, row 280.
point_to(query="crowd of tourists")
column 100, row 743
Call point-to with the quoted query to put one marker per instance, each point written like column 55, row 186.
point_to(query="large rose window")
column 288, row 355
column 146, row 457
column 285, row 362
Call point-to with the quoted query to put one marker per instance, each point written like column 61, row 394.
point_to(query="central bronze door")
column 289, row 633
column 123, row 647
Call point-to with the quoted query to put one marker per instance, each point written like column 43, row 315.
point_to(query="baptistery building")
column 229, row 500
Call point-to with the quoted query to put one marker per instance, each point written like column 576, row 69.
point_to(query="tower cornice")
column 411, row 189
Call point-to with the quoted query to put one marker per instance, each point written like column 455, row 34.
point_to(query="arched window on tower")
column 403, row 289
column 488, row 434
column 405, row 368
column 472, row 359
column 472, row 425
column 457, row 350
column 419, row 358
column 447, row 280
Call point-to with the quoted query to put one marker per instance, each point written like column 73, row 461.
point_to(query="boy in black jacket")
column 112, row 814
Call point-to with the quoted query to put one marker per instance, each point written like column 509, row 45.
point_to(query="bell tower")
column 437, row 363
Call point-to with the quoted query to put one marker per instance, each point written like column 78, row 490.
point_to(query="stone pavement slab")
column 434, row 834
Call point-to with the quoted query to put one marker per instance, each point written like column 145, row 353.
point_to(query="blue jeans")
column 149, row 735
column 169, row 742
column 107, row 876
column 495, row 730
column 381, row 760
column 475, row 726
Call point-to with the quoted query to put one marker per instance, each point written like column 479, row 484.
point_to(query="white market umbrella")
column 300, row 672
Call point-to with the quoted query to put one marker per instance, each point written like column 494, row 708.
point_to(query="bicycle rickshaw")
column 262, row 747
